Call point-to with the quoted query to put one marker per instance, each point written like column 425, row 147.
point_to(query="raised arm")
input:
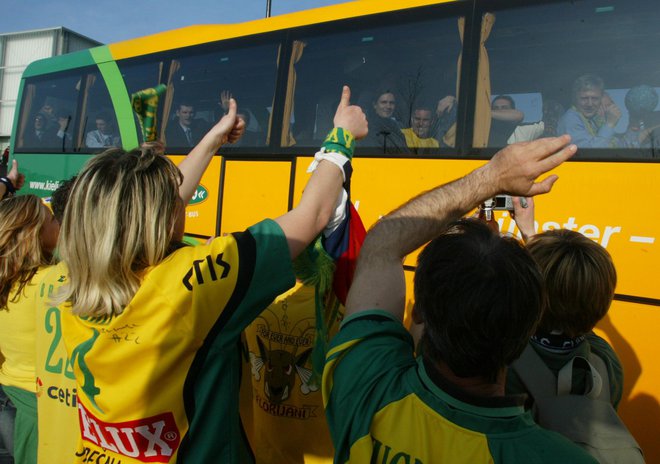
column 303, row 223
column 510, row 115
column 379, row 281
column 228, row 130
column 12, row 182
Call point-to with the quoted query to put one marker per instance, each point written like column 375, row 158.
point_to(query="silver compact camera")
column 503, row 203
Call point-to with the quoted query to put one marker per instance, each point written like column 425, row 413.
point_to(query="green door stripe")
column 119, row 96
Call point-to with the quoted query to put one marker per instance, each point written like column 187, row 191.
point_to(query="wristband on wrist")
column 7, row 183
column 341, row 141
column 338, row 159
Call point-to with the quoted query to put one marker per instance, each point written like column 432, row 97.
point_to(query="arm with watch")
column 12, row 182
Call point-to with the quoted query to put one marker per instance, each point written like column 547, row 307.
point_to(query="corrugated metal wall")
column 19, row 50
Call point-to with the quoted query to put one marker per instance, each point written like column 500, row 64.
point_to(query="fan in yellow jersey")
column 479, row 296
column 153, row 329
column 288, row 418
column 56, row 385
column 28, row 234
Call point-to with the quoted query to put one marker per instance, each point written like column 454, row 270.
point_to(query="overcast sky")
column 113, row 20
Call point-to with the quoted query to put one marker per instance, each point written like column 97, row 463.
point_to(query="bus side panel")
column 202, row 211
column 253, row 191
column 43, row 173
column 631, row 329
column 613, row 204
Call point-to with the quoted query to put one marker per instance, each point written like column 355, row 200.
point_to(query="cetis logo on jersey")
column 152, row 439
column 200, row 195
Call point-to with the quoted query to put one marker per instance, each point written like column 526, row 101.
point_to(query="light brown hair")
column 21, row 254
column 580, row 280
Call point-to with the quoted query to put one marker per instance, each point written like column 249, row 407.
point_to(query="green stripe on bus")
column 60, row 63
column 119, row 96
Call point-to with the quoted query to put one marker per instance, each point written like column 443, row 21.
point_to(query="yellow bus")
column 447, row 59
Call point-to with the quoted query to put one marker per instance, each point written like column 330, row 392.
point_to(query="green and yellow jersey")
column 56, row 385
column 385, row 406
column 160, row 381
column 286, row 406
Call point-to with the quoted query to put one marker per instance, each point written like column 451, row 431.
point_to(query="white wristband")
column 335, row 158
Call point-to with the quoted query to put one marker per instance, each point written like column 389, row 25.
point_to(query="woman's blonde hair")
column 21, row 253
column 120, row 220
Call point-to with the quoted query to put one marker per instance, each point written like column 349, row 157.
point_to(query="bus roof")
column 194, row 35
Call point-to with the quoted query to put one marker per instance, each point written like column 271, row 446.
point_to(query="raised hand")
column 351, row 117
column 17, row 178
column 515, row 169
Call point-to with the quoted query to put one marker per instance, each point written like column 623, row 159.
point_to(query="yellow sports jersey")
column 56, row 385
column 160, row 381
column 17, row 332
column 288, row 419
column 413, row 141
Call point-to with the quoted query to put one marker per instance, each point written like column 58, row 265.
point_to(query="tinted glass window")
column 145, row 73
column 48, row 113
column 587, row 68
column 399, row 75
column 201, row 84
column 99, row 125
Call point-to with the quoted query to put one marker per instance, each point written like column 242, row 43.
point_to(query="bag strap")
column 598, row 363
column 533, row 372
column 540, row 380
column 565, row 378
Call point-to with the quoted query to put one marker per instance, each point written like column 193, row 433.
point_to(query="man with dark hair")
column 184, row 131
column 505, row 119
column 479, row 297
column 103, row 136
column 593, row 116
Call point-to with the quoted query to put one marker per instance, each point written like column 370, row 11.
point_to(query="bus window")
column 202, row 83
column 140, row 74
column 99, row 125
column 586, row 68
column 48, row 113
column 395, row 72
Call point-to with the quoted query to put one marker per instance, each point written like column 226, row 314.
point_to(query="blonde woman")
column 154, row 328
column 28, row 235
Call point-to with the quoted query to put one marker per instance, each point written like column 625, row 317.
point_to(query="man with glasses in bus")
column 479, row 297
column 592, row 118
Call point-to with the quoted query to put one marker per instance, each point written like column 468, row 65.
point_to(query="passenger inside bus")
column 39, row 136
column 547, row 127
column 185, row 130
column 591, row 120
column 505, row 119
column 643, row 120
column 104, row 135
column 384, row 130
column 418, row 135
column 253, row 135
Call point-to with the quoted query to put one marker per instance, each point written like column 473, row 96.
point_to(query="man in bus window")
column 103, row 135
column 384, row 130
column 418, row 135
column 184, row 131
column 591, row 120
column 505, row 119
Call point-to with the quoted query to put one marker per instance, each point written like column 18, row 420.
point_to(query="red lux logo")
column 153, row 439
